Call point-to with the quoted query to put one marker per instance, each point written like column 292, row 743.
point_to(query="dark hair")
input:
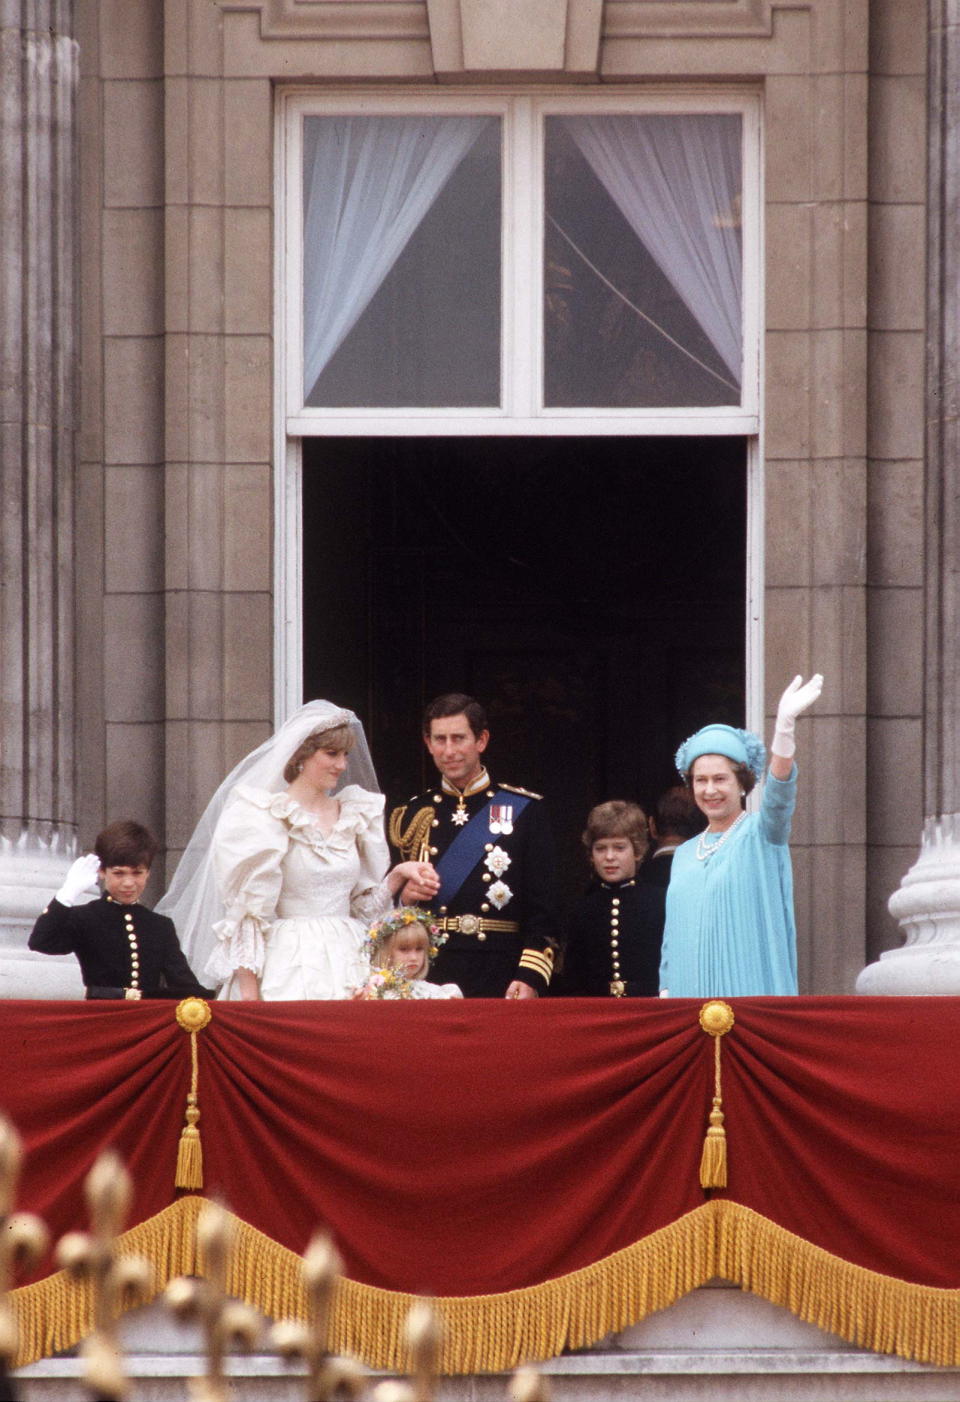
column 742, row 772
column 677, row 814
column 455, row 703
column 617, row 818
column 126, row 844
column 338, row 738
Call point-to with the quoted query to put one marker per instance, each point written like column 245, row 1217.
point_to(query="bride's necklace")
column 705, row 849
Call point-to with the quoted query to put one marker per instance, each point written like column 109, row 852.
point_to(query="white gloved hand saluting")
column 80, row 880
column 797, row 697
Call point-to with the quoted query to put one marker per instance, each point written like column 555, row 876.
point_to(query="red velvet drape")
column 462, row 1149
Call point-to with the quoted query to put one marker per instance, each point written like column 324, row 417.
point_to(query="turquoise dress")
column 730, row 929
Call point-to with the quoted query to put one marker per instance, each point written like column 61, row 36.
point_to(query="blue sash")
column 466, row 849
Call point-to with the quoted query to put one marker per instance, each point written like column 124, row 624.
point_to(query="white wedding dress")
column 297, row 902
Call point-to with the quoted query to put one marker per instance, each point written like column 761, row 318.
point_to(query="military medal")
column 459, row 816
column 501, row 818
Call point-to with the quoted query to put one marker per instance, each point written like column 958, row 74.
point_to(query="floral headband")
column 398, row 920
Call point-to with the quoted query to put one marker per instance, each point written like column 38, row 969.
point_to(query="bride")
column 288, row 865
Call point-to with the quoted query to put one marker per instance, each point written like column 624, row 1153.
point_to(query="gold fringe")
column 493, row 1333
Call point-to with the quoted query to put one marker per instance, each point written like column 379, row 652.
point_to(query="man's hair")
column 617, row 819
column 126, row 844
column 455, row 703
column 676, row 813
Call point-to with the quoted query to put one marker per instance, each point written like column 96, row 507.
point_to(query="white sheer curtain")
column 677, row 179
column 368, row 182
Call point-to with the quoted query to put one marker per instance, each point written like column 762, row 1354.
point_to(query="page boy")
column 615, row 930
column 125, row 950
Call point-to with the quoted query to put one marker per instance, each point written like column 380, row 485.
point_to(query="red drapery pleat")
column 476, row 1148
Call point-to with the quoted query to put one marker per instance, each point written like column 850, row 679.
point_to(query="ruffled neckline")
column 359, row 810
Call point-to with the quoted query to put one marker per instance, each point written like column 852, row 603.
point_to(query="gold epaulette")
column 411, row 840
column 515, row 788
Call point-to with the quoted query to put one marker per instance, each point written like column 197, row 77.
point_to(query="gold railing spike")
column 226, row 1323
column 23, row 1239
column 116, row 1282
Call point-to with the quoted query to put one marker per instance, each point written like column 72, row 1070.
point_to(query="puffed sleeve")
column 370, row 897
column 249, row 844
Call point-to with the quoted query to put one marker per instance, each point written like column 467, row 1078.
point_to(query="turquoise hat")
column 742, row 746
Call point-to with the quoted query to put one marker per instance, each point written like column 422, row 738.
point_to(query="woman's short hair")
column 337, row 740
column 742, row 772
column 618, row 818
column 126, row 844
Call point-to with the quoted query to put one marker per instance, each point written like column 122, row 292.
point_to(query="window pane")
column 642, row 261
column 401, row 261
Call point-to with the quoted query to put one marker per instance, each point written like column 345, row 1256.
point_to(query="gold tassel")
column 193, row 1014
column 716, row 1018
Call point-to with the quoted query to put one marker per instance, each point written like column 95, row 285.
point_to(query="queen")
column 730, row 924
column 288, row 865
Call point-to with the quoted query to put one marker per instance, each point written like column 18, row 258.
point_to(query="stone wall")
column 175, row 574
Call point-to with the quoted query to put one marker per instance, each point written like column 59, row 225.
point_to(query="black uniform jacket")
column 613, row 946
column 655, row 871
column 486, row 962
column 99, row 934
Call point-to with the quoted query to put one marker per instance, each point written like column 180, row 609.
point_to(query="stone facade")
column 178, row 609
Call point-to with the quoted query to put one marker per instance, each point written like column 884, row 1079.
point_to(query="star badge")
column 499, row 894
column 497, row 861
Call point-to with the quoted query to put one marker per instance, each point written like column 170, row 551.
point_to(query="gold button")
column 481, row 936
column 488, row 846
column 487, row 876
column 484, row 907
column 616, row 900
column 433, row 851
column 443, row 910
column 437, row 798
column 435, row 823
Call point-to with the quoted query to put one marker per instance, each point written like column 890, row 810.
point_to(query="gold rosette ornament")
column 716, row 1019
column 193, row 1014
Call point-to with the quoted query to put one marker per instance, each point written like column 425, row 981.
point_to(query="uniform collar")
column 618, row 885
column 482, row 781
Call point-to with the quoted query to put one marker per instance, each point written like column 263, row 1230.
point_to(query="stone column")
column 927, row 903
column 38, row 314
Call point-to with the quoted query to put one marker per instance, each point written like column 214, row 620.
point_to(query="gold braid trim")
column 412, row 840
column 492, row 1333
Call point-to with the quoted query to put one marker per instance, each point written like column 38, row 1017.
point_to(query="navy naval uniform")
column 501, row 922
column 119, row 945
column 613, row 949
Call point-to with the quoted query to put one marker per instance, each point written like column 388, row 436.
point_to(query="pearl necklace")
column 706, row 850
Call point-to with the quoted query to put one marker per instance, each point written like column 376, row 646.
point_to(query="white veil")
column 192, row 901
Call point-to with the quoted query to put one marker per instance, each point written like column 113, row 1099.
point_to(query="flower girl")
column 399, row 949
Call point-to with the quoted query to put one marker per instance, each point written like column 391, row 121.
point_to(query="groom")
column 491, row 847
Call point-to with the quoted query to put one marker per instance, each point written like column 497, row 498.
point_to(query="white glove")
column 80, row 880
column 797, row 697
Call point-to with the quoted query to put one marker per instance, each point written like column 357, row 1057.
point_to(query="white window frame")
column 522, row 412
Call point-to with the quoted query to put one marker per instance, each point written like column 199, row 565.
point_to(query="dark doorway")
column 591, row 592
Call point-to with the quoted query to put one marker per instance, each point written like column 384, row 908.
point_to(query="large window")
column 492, row 263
